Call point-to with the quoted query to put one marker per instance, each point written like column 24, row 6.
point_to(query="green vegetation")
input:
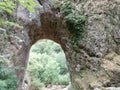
column 47, row 65
column 8, row 21
column 76, row 26
column 75, row 22
column 8, row 6
column 67, row 7
column 8, row 80
column 8, row 25
column 47, row 61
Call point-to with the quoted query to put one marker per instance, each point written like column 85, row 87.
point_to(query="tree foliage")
column 47, row 64
column 8, row 80
column 8, row 7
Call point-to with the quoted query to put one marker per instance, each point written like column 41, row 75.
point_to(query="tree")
column 47, row 64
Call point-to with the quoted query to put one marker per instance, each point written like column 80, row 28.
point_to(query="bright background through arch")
column 47, row 65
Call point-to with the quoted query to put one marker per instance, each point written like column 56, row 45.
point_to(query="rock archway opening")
column 47, row 67
column 88, row 62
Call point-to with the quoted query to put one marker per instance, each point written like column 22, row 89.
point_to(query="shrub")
column 47, row 65
column 8, row 79
column 64, row 79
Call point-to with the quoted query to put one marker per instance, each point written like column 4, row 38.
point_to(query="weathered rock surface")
column 96, row 62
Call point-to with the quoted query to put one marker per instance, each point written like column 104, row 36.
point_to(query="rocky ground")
column 58, row 87
column 55, row 87
column 113, row 88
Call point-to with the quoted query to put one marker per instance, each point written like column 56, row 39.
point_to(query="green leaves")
column 3, row 83
column 75, row 24
column 10, row 5
column 7, row 6
column 10, row 24
column 47, row 64
column 28, row 4
column 74, row 21
column 66, row 7
column 8, row 80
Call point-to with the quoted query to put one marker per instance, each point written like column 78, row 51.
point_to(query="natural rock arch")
column 87, row 63
column 47, row 25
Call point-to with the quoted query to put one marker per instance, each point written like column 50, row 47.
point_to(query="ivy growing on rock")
column 75, row 26
column 75, row 23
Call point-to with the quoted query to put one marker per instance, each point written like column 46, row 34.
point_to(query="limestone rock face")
column 101, row 45
column 96, row 61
